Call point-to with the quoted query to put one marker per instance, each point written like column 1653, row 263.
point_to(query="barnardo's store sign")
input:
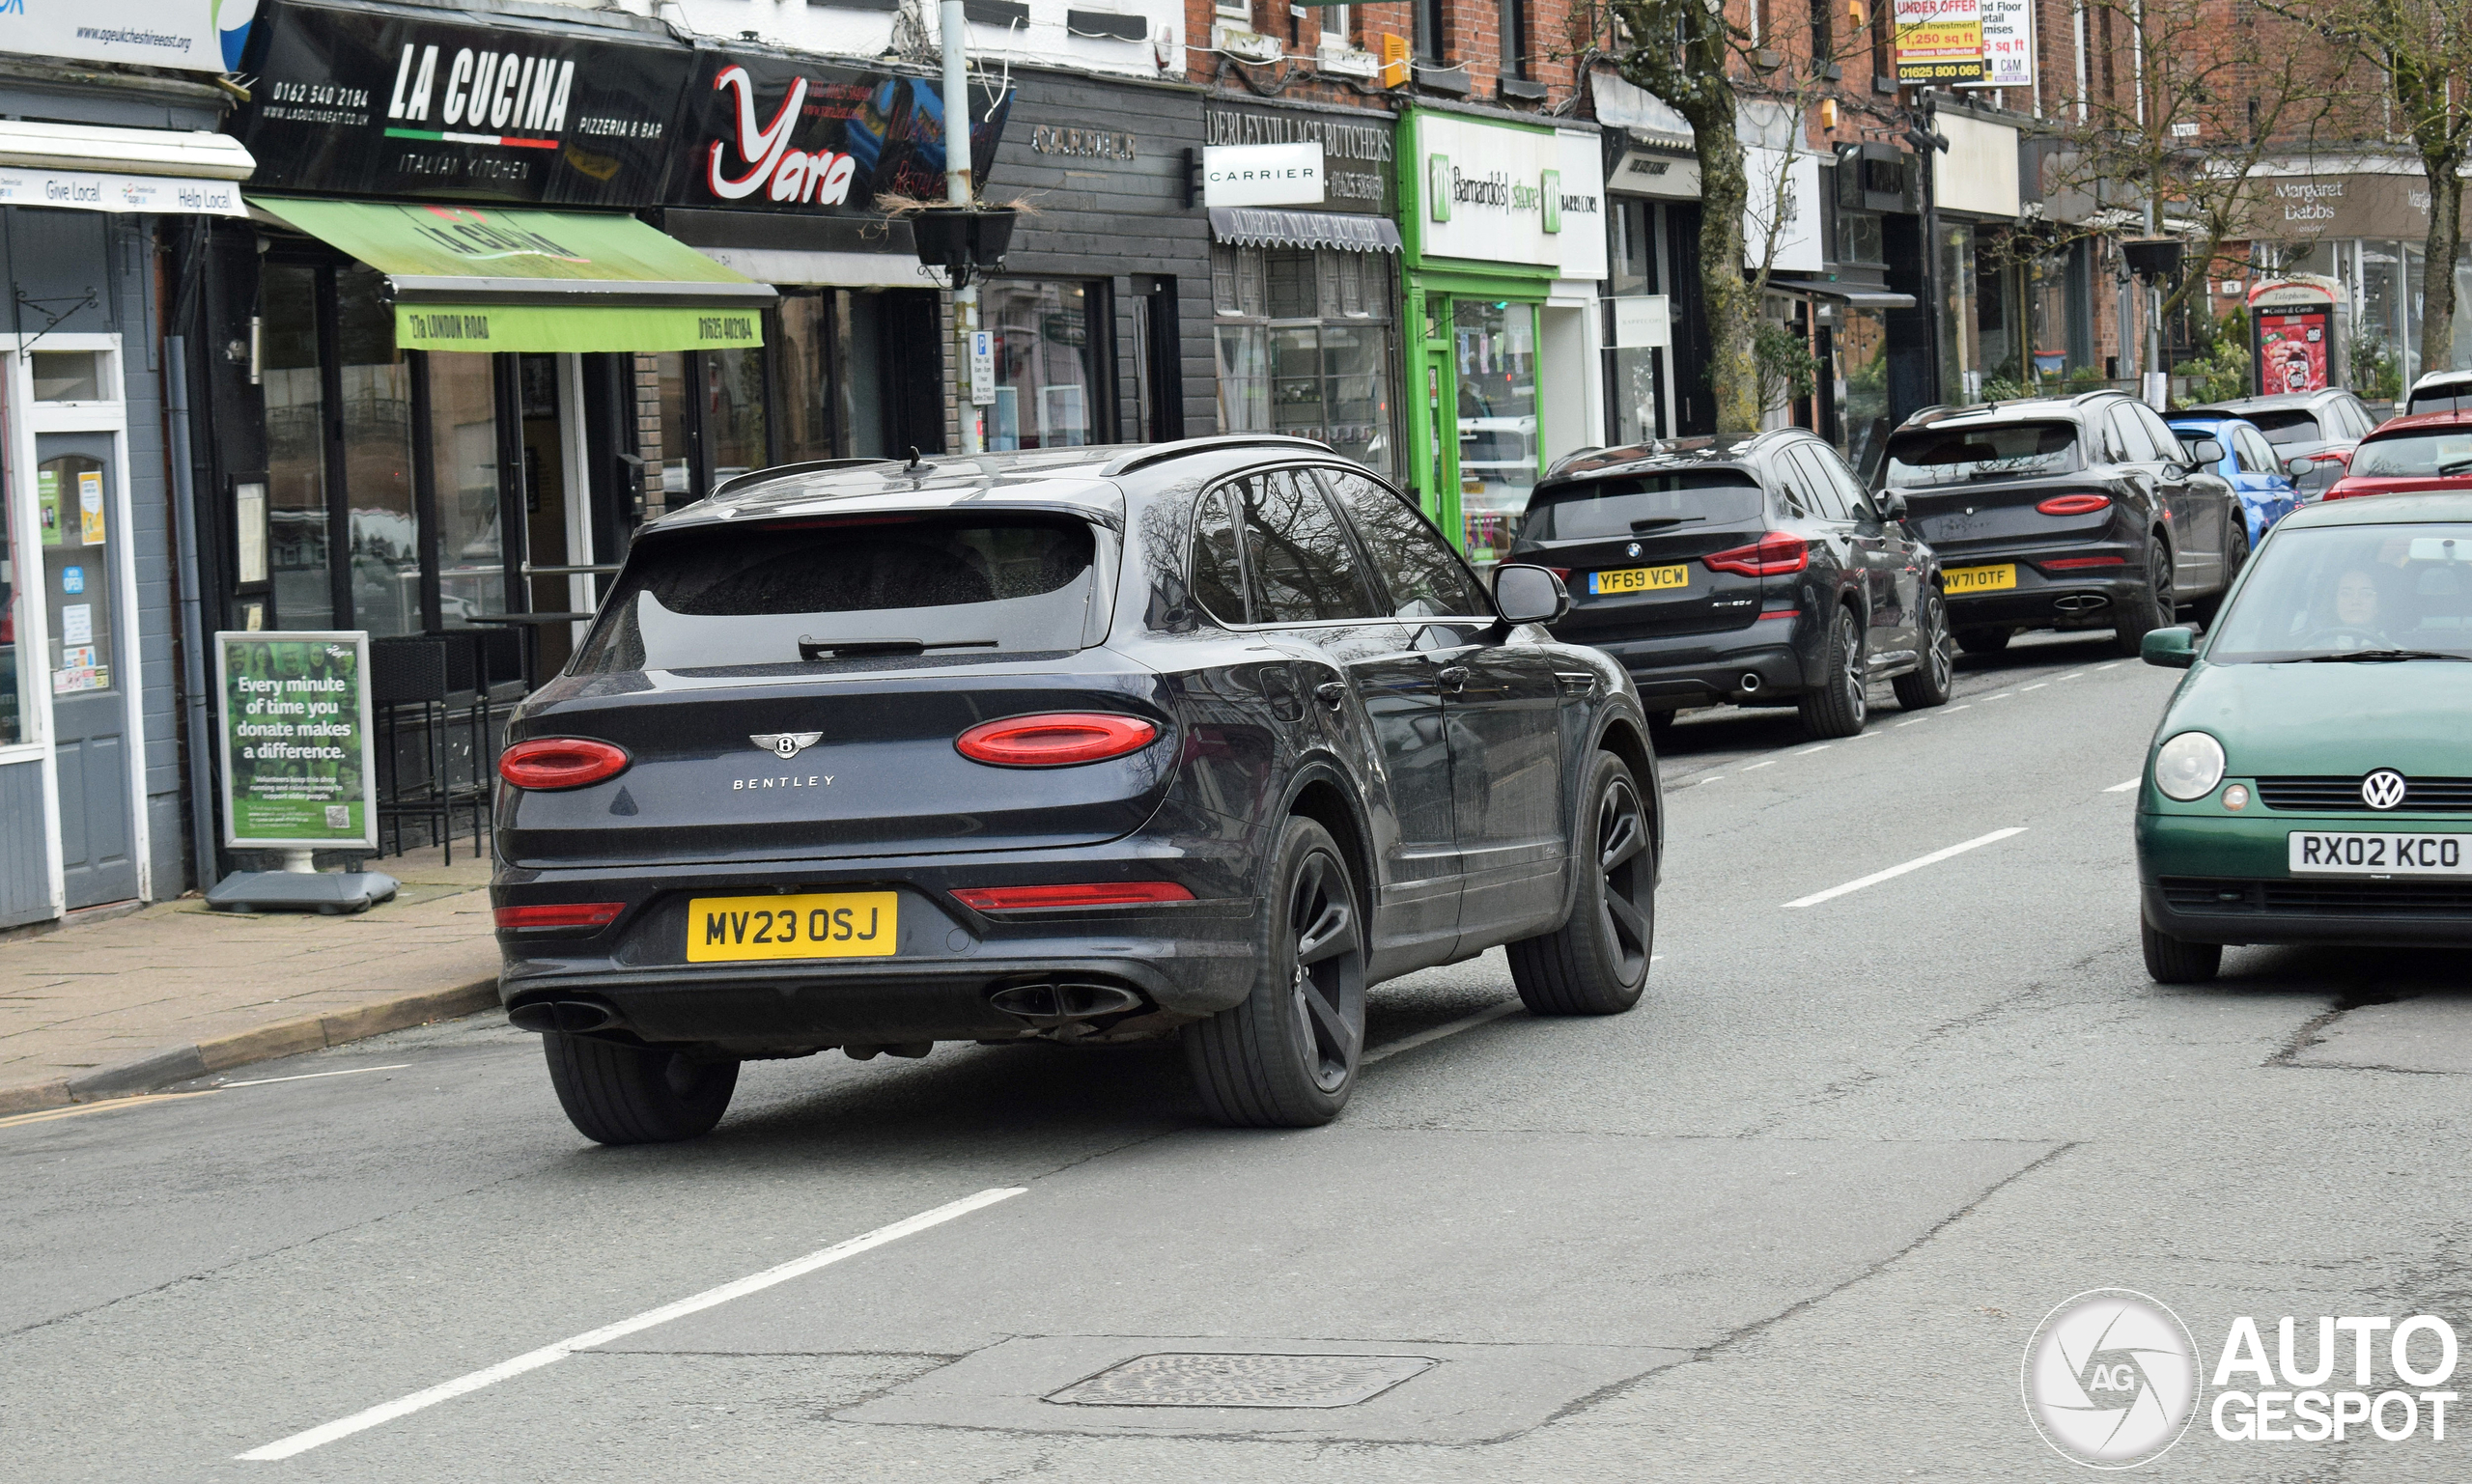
column 1503, row 194
column 361, row 103
column 770, row 133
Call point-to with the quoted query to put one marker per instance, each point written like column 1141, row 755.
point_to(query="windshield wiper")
column 846, row 649
column 2383, row 655
column 1652, row 523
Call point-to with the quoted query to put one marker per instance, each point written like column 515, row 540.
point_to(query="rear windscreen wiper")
column 1652, row 523
column 2383, row 655
column 846, row 649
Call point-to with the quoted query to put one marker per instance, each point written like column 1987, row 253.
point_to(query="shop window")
column 463, row 455
column 1493, row 349
column 1046, row 383
column 734, row 412
column 69, row 375
column 293, row 384
column 377, row 409
column 1315, row 360
column 805, row 326
column 75, row 503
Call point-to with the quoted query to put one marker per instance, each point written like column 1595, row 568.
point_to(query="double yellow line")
column 49, row 1114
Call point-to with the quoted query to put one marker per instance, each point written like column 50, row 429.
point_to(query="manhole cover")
column 1242, row 1380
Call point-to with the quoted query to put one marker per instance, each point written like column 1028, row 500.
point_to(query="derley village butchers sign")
column 370, row 103
column 1356, row 152
column 774, row 134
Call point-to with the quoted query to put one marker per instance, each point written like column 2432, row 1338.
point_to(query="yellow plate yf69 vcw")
column 1638, row 579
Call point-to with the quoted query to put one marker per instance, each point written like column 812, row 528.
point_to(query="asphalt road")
column 1795, row 1218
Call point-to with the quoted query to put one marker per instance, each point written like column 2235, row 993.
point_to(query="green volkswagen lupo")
column 2312, row 781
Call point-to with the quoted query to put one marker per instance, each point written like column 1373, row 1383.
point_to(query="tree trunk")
column 2437, row 277
column 1733, row 311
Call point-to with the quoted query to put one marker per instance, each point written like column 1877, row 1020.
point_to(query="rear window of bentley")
column 838, row 591
column 1956, row 456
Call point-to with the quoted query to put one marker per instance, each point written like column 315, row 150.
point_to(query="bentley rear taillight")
column 549, row 763
column 1776, row 554
column 1055, row 740
column 2074, row 504
column 1013, row 899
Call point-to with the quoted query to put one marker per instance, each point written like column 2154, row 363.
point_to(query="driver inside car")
column 2360, row 608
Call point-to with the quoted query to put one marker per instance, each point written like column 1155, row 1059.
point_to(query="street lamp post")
column 958, row 193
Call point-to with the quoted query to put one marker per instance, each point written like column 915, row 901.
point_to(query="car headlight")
column 2188, row 767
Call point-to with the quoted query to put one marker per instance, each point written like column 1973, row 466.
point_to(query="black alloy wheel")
column 1286, row 1057
column 2157, row 611
column 1840, row 703
column 1596, row 962
column 1936, row 669
column 620, row 1093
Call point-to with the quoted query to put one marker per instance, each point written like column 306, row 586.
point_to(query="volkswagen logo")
column 2383, row 789
column 1633, row 549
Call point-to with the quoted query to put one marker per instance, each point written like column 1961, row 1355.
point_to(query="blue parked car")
column 2247, row 459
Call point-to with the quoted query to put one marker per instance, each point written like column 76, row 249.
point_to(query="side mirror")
column 2206, row 451
column 1528, row 595
column 2171, row 649
column 2299, row 466
column 1891, row 504
column 2177, row 473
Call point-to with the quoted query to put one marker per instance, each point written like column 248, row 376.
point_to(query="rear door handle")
column 1331, row 693
column 1452, row 676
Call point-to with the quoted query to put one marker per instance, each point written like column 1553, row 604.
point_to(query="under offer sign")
column 1939, row 41
column 1262, row 173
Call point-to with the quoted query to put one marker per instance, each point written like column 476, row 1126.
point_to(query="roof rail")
column 1161, row 453
column 779, row 471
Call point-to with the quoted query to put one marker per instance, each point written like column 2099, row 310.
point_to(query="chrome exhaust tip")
column 573, row 1017
column 1749, row 683
column 1058, row 1004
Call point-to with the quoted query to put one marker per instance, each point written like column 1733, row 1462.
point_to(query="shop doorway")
column 78, row 495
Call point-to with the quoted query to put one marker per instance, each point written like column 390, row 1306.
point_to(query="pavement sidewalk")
column 131, row 1003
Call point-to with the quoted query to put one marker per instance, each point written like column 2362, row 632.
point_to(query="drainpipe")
column 176, row 406
column 957, row 193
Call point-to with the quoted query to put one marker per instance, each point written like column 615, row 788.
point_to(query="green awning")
column 515, row 278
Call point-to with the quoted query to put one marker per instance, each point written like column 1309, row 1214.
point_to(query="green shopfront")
column 1502, row 226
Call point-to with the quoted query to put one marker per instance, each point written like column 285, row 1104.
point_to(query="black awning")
column 1254, row 226
column 1853, row 296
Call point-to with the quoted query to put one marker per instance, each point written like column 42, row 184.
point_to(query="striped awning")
column 1252, row 226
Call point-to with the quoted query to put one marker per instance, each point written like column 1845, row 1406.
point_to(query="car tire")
column 619, row 1094
column 2169, row 961
column 1931, row 679
column 2157, row 611
column 1596, row 962
column 1985, row 641
column 1287, row 1056
column 1840, row 703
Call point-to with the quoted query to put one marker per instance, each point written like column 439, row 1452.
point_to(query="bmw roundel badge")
column 1633, row 549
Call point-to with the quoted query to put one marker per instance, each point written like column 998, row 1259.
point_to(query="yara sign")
column 821, row 177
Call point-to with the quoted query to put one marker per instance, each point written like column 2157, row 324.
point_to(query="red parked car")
column 2431, row 451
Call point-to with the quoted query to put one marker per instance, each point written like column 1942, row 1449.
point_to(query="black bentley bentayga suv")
column 1199, row 739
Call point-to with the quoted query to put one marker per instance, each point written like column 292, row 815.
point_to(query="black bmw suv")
column 1756, row 571
column 1092, row 744
column 2064, row 512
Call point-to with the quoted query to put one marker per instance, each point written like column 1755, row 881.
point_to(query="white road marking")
column 1958, row 707
column 2071, row 675
column 1714, row 778
column 2001, row 697
column 269, row 1081
column 1492, row 1011
column 2114, row 665
column 1750, row 768
column 1807, row 751
column 1917, row 722
column 2037, row 686
column 754, row 1282
column 2122, row 788
column 1916, row 864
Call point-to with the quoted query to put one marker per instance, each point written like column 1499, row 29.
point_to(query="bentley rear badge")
column 788, row 744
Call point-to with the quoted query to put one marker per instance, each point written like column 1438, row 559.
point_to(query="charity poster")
column 48, row 504
column 90, row 507
column 298, row 771
column 2291, row 351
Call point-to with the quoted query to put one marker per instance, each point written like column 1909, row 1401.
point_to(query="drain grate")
column 1242, row 1380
